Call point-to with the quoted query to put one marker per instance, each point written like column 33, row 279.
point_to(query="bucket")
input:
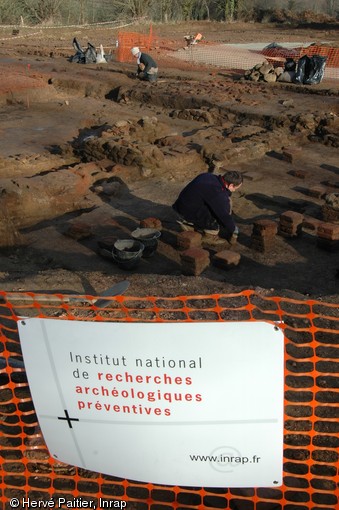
column 127, row 253
column 149, row 238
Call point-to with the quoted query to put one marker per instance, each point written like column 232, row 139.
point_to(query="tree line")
column 34, row 12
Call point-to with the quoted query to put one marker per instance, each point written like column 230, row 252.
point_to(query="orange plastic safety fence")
column 311, row 433
column 331, row 54
column 127, row 40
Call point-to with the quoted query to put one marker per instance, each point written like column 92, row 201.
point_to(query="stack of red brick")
column 194, row 261
column 263, row 235
column 290, row 224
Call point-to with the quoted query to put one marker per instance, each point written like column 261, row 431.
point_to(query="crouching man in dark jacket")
column 147, row 67
column 205, row 205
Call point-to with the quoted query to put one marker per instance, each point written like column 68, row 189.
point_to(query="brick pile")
column 328, row 236
column 263, row 235
column 194, row 261
column 290, row 224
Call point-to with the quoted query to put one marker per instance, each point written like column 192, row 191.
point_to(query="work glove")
column 234, row 237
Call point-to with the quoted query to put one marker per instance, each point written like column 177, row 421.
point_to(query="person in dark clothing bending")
column 205, row 205
column 147, row 67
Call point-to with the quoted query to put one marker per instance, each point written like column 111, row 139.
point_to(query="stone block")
column 226, row 259
column 186, row 240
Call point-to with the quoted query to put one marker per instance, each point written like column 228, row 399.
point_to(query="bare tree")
column 41, row 11
column 332, row 7
column 134, row 8
column 9, row 12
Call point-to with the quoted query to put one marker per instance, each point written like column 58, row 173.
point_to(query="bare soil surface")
column 87, row 152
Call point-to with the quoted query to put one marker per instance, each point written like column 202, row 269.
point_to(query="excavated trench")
column 136, row 145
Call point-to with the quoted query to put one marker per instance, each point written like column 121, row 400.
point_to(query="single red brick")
column 301, row 174
column 186, row 240
column 226, row 258
column 311, row 223
column 317, row 191
column 151, row 223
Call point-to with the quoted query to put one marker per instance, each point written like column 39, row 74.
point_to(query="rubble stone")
column 330, row 210
column 270, row 77
column 263, row 72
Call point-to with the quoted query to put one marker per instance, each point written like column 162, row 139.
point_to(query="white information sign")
column 190, row 404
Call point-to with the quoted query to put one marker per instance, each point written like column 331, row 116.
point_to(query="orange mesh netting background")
column 127, row 40
column 311, row 438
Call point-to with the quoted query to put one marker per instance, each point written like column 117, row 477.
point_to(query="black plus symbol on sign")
column 68, row 419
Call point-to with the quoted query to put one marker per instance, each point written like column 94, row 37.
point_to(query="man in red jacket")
column 205, row 205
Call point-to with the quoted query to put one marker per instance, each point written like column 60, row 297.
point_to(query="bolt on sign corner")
column 178, row 404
